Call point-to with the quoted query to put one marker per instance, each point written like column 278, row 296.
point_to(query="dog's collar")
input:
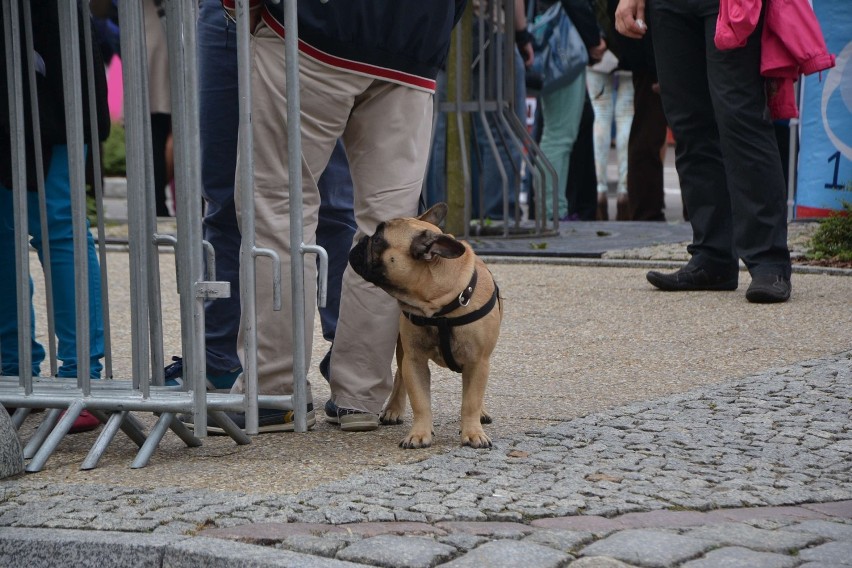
column 445, row 325
column 462, row 300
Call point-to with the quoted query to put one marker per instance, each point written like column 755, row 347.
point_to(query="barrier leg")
column 129, row 425
column 56, row 435
column 113, row 423
column 19, row 416
column 229, row 427
column 154, row 436
column 51, row 417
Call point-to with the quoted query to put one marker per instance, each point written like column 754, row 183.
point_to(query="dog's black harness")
column 445, row 325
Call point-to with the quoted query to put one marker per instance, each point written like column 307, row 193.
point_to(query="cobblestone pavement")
column 753, row 473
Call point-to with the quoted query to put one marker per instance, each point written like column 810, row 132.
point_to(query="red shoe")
column 84, row 423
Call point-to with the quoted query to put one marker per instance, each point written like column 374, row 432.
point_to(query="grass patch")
column 833, row 238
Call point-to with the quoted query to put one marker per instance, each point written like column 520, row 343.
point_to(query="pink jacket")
column 791, row 44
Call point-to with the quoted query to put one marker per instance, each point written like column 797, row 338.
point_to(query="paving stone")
column 739, row 534
column 745, row 513
column 591, row 523
column 599, row 562
column 28, row 548
column 11, row 451
column 648, row 547
column 655, row 519
column 393, row 551
column 270, row 533
column 739, row 557
column 566, row 541
column 829, row 553
column 495, row 530
column 462, row 541
column 827, row 529
column 842, row 509
column 315, row 545
column 215, row 553
column 510, row 554
column 375, row 529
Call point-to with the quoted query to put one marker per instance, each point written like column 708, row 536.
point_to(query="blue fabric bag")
column 560, row 54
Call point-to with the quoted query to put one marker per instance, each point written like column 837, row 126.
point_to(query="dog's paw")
column 390, row 417
column 416, row 440
column 476, row 439
column 484, row 417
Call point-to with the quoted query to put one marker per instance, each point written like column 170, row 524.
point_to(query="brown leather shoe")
column 603, row 208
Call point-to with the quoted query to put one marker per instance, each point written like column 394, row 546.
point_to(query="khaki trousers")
column 386, row 131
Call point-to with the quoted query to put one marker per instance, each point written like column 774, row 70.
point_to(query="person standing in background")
column 726, row 153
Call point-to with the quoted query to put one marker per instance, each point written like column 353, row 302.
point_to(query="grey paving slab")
column 510, row 554
column 392, row 551
column 646, row 547
column 827, row 529
column 739, row 557
column 25, row 548
column 742, row 535
column 214, row 553
column 599, row 562
column 839, row 553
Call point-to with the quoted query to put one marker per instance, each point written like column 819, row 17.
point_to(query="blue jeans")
column 219, row 128
column 335, row 231
column 60, row 234
column 509, row 157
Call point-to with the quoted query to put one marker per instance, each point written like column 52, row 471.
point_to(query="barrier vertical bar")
column 182, row 72
column 135, row 120
column 95, row 148
column 297, row 267
column 47, row 266
column 14, row 89
column 71, row 75
column 245, row 176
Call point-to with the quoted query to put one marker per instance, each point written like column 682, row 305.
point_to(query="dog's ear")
column 428, row 245
column 435, row 215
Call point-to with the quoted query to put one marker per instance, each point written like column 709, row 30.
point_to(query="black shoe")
column 768, row 289
column 691, row 278
column 350, row 420
column 173, row 375
column 268, row 420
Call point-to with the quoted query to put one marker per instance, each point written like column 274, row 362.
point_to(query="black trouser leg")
column 644, row 163
column 727, row 156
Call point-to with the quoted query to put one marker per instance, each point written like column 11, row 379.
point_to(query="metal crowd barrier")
column 110, row 399
column 493, row 97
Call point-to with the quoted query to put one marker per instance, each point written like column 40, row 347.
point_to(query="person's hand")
column 523, row 39
column 630, row 18
column 527, row 54
column 596, row 53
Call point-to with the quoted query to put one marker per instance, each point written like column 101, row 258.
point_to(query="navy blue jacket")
column 406, row 41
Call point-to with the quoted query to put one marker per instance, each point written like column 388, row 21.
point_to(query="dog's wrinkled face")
column 397, row 256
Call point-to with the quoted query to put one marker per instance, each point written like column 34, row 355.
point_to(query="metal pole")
column 136, row 123
column 184, row 92
column 245, row 177
column 71, row 78
column 297, row 267
column 47, row 266
column 19, row 191
column 95, row 146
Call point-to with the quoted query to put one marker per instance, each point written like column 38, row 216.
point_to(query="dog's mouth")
column 365, row 258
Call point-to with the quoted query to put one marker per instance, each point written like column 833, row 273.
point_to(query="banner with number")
column 824, row 175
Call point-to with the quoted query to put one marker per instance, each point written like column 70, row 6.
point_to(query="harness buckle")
column 464, row 301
